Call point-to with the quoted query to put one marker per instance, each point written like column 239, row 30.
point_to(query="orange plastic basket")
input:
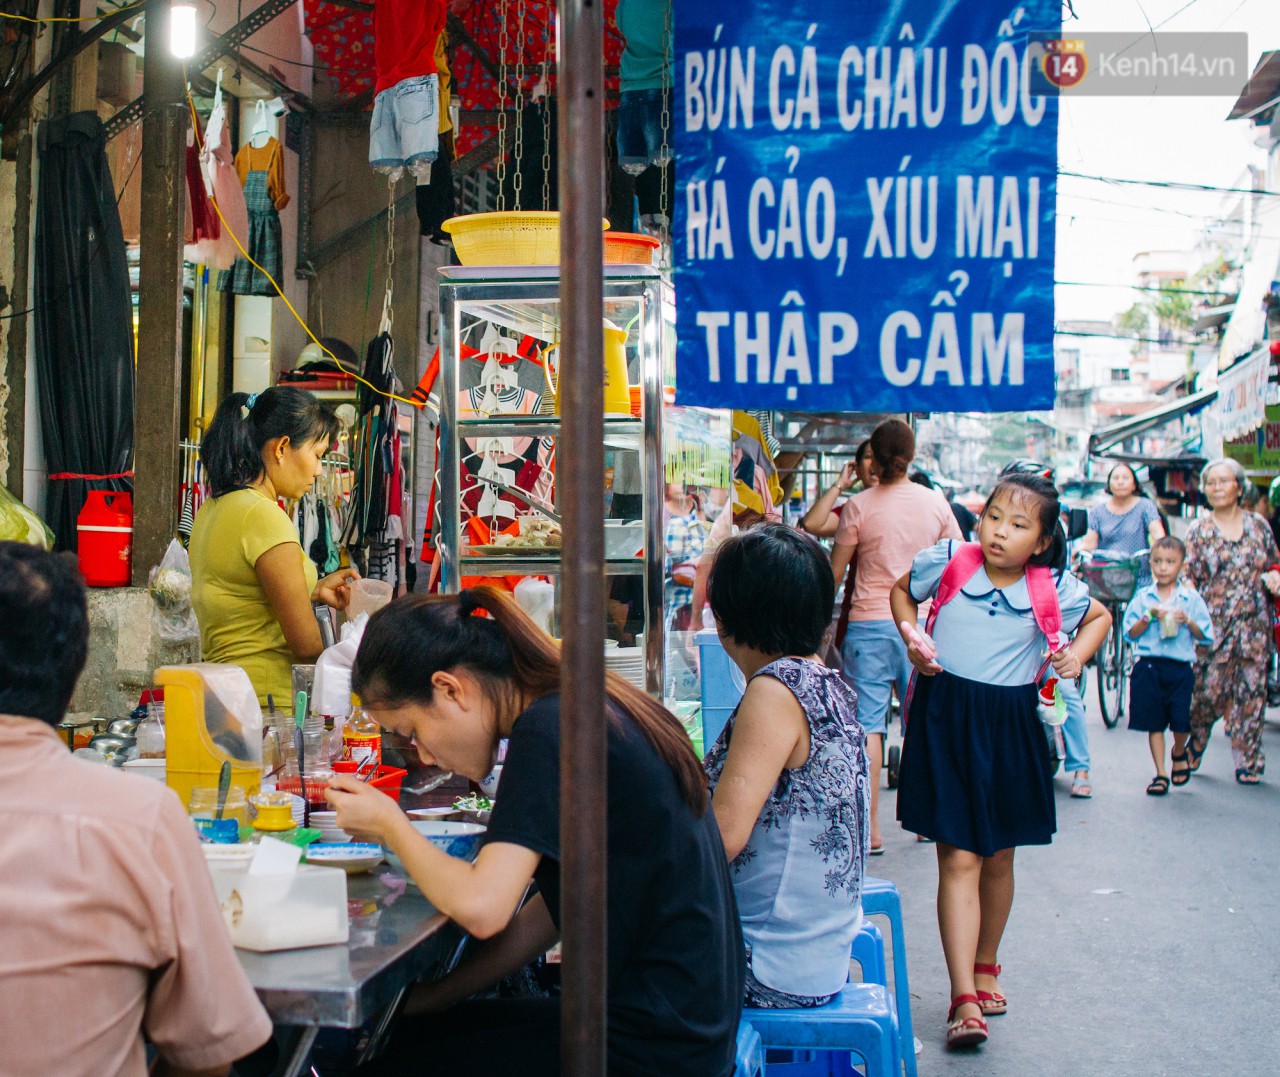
column 629, row 248
column 525, row 238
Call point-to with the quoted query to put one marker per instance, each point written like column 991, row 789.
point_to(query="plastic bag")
column 172, row 618
column 19, row 524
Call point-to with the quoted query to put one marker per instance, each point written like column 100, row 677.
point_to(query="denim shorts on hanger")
column 405, row 130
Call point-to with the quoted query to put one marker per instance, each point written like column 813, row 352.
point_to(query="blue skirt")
column 976, row 769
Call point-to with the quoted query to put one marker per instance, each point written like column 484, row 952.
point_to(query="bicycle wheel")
column 1110, row 680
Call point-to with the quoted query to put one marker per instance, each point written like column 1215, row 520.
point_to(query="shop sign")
column 1260, row 450
column 1242, row 395
column 864, row 217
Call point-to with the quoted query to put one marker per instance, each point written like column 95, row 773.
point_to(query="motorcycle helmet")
column 1273, row 493
column 1025, row 466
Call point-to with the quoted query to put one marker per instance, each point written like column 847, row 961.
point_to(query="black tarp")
column 84, row 320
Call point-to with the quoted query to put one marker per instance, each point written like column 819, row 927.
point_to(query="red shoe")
column 992, row 1002
column 965, row 1031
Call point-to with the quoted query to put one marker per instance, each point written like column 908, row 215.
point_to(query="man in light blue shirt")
column 1164, row 621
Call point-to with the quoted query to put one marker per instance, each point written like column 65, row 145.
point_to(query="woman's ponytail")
column 243, row 425
column 228, row 453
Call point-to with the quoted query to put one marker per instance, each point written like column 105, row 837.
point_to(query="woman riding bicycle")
column 1127, row 522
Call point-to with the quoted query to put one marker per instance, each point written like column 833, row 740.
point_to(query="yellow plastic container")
column 202, row 730
column 525, row 238
column 617, row 390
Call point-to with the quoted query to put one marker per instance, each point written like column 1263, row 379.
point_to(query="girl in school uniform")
column 975, row 763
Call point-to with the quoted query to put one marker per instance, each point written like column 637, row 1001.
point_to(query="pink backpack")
column 1040, row 586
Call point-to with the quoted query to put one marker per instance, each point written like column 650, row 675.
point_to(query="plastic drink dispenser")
column 211, row 716
column 104, row 538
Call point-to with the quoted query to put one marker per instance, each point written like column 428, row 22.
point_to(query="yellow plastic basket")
column 526, row 238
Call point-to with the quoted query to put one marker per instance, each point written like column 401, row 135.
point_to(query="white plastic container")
column 282, row 912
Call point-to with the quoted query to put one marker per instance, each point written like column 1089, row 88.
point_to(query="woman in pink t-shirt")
column 887, row 526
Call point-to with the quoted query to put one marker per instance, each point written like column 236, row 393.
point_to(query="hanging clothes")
column 261, row 170
column 83, row 321
column 437, row 200
column 202, row 227
column 224, row 183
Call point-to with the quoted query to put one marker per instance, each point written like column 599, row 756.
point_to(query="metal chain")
column 520, row 98
column 665, row 155
column 504, row 43
column 548, row 44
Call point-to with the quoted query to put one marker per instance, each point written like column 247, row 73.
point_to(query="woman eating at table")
column 789, row 772
column 251, row 584
column 458, row 673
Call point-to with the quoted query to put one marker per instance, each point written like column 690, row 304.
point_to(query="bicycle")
column 1112, row 580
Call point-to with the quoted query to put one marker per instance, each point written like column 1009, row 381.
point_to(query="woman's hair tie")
column 248, row 405
column 467, row 604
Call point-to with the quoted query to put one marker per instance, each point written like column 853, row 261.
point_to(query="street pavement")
column 1144, row 941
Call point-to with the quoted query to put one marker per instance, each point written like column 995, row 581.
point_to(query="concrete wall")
column 123, row 650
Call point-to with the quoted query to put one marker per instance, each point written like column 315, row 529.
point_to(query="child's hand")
column 1067, row 664
column 921, row 650
column 1181, row 617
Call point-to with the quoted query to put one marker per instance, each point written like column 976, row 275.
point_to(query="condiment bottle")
column 362, row 739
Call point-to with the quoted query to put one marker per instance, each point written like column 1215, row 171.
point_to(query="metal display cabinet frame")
column 525, row 300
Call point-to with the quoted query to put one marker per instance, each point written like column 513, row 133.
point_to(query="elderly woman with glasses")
column 1230, row 559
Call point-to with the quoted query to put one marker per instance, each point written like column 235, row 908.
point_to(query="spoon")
column 224, row 786
column 433, row 782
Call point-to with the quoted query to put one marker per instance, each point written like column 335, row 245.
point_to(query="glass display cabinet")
column 499, row 511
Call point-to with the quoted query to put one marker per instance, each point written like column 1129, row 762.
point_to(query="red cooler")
column 105, row 539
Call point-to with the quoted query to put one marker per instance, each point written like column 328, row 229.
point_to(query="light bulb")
column 182, row 30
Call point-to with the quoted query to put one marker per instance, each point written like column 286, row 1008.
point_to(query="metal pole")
column 583, row 778
column 159, row 377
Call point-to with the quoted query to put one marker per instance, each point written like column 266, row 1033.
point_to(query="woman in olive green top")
column 252, row 585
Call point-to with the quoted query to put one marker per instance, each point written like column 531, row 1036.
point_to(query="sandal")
column 1181, row 777
column 1158, row 787
column 1244, row 777
column 1082, row 790
column 965, row 1031
column 1194, row 758
column 993, row 1003
column 876, row 850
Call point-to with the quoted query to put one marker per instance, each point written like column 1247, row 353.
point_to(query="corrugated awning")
column 1261, row 89
column 1212, row 317
column 1102, row 439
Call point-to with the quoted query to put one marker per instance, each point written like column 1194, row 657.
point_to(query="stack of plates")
column 323, row 821
column 627, row 662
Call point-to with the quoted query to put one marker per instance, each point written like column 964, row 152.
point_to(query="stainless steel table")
column 397, row 938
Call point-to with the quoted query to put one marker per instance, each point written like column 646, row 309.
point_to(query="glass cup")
column 203, row 805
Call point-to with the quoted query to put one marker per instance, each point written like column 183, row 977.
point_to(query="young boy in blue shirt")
column 1164, row 621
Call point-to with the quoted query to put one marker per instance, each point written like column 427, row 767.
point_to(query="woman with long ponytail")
column 458, row 674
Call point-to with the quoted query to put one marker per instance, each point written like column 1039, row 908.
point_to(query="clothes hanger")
column 261, row 128
column 217, row 91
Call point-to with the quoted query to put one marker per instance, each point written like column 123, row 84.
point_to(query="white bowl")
column 351, row 857
column 228, row 856
column 457, row 839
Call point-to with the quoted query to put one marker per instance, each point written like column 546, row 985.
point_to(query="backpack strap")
column 1045, row 606
column 966, row 561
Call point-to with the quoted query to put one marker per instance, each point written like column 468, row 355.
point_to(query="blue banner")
column 865, row 205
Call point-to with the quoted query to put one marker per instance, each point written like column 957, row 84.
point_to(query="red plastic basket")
column 388, row 779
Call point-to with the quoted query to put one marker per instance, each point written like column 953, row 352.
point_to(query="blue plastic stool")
column 868, row 952
column 860, row 1021
column 880, row 897
column 749, row 1061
